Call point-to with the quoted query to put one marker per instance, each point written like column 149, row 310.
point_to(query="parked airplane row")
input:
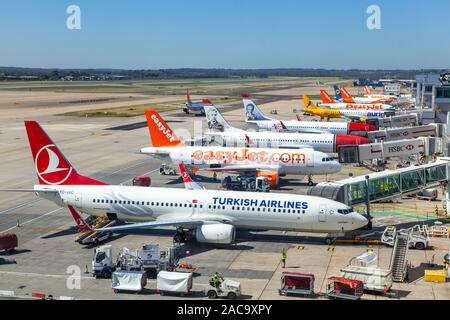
column 211, row 216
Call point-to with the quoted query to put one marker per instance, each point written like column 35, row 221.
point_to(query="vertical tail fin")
column 367, row 90
column 52, row 168
column 307, row 103
column 252, row 112
column 337, row 92
column 216, row 122
column 188, row 97
column 160, row 132
column 346, row 96
column 325, row 97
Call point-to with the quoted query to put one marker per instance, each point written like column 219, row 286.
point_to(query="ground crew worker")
column 215, row 175
column 283, row 257
column 216, row 280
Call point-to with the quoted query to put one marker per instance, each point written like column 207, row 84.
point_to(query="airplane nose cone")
column 353, row 127
column 359, row 221
column 342, row 139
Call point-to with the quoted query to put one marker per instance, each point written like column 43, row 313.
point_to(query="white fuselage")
column 323, row 142
column 357, row 106
column 304, row 126
column 368, row 114
column 304, row 161
column 241, row 209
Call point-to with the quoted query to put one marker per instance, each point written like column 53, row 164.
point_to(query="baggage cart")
column 296, row 283
column 176, row 282
column 130, row 281
column 343, row 288
column 8, row 242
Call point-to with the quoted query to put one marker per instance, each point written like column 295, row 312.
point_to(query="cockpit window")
column 327, row 159
column 345, row 211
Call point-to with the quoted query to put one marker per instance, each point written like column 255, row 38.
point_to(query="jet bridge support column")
column 367, row 189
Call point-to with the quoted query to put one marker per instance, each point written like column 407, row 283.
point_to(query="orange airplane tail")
column 346, row 96
column 367, row 90
column 160, row 132
column 325, row 97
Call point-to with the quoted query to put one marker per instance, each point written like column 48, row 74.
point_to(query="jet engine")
column 219, row 233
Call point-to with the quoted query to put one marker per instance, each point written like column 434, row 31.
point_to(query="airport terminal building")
column 433, row 91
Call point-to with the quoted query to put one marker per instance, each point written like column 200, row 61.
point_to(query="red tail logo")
column 50, row 164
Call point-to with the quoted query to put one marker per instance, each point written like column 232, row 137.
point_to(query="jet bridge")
column 389, row 134
column 386, row 149
column 384, row 185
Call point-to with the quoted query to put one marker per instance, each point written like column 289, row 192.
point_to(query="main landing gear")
column 180, row 236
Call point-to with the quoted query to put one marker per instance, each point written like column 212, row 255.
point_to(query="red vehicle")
column 297, row 283
column 8, row 241
column 142, row 181
column 343, row 288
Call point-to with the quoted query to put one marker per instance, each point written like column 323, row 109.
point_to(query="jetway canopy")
column 383, row 185
column 383, row 150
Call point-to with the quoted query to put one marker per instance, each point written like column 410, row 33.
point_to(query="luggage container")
column 131, row 281
column 296, row 283
column 176, row 282
column 8, row 242
column 343, row 288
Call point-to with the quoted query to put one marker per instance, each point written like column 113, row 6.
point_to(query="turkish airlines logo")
column 185, row 176
column 49, row 167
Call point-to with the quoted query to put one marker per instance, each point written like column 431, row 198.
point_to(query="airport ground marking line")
column 48, row 213
column 31, row 274
column 30, row 202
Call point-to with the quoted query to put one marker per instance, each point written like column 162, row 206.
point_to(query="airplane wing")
column 154, row 224
column 162, row 222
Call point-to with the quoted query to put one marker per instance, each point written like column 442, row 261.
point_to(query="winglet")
column 283, row 126
column 188, row 182
column 82, row 225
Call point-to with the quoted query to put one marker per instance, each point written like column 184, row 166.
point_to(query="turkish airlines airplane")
column 254, row 115
column 325, row 142
column 212, row 216
column 270, row 162
column 352, row 114
column 328, row 102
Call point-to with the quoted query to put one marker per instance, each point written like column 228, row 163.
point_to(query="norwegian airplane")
column 253, row 115
column 269, row 162
column 196, row 106
column 328, row 102
column 352, row 114
column 211, row 216
column 325, row 142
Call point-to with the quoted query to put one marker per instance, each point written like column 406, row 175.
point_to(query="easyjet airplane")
column 339, row 94
column 325, row 142
column 381, row 97
column 211, row 216
column 352, row 114
column 254, row 115
column 328, row 102
column 270, row 162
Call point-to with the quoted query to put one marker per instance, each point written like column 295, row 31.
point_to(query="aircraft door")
column 322, row 213
column 78, row 199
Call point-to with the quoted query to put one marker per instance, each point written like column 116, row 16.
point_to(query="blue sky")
column 225, row 34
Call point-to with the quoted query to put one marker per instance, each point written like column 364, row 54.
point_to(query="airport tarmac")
column 46, row 232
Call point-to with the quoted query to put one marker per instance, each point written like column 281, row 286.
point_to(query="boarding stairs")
column 398, row 263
